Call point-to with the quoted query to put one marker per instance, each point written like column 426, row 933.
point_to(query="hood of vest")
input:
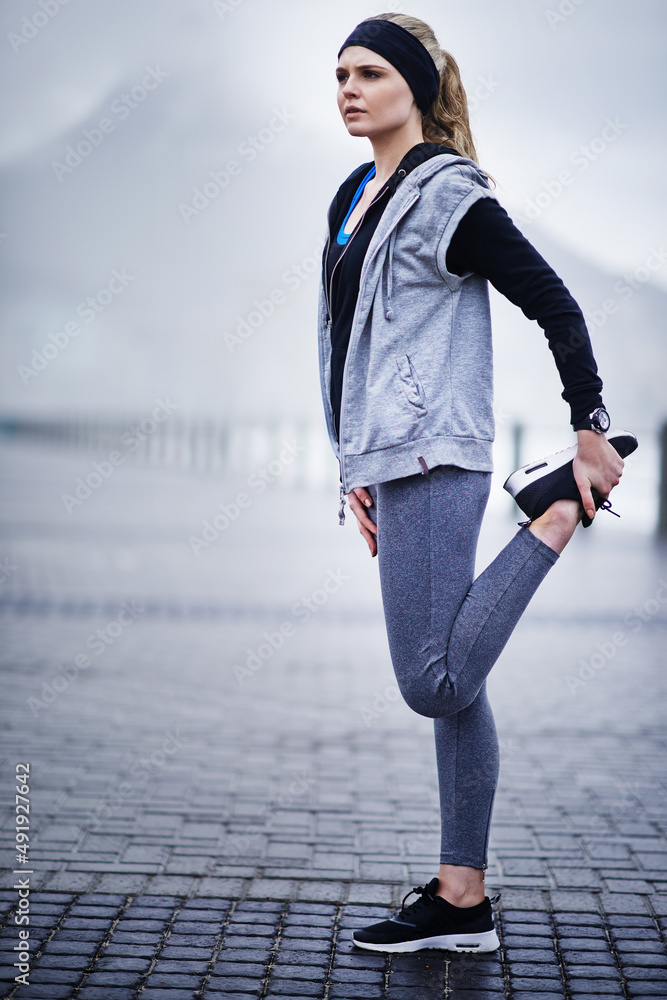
column 415, row 157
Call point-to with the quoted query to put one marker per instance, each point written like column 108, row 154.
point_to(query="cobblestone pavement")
column 231, row 783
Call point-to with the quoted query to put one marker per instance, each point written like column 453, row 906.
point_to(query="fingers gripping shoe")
column 433, row 922
column 539, row 484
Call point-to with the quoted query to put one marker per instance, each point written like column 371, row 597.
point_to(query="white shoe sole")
column 484, row 941
column 527, row 474
column 542, row 467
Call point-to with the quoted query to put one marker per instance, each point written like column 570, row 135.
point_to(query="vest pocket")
column 410, row 383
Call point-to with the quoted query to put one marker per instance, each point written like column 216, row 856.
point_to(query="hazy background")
column 164, row 533
column 544, row 78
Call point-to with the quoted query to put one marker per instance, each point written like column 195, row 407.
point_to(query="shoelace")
column 423, row 894
column 604, row 505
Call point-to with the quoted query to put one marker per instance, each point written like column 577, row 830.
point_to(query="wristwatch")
column 598, row 420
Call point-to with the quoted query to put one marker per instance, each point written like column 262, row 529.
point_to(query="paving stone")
column 96, row 978
column 529, row 916
column 564, row 901
column 631, row 921
column 146, row 938
column 368, row 894
column 164, row 993
column 535, row 995
column 572, row 956
column 190, row 967
column 173, row 980
column 356, row 976
column 359, row 991
column 303, row 931
column 294, row 988
column 245, row 955
column 523, row 900
column 625, row 946
column 589, row 970
column 307, row 972
column 637, row 973
column 73, row 947
column 261, row 889
column 475, row 994
column 623, row 903
column 35, row 991
column 331, row 891
column 72, row 881
column 540, row 984
column 105, row 993
column 600, row 991
column 526, row 941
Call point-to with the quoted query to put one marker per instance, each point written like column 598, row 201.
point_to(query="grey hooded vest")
column 418, row 377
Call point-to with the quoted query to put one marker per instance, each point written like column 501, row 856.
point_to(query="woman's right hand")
column 360, row 500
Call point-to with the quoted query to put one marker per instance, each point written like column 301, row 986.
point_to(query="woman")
column 406, row 377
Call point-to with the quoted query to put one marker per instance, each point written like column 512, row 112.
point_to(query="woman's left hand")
column 598, row 464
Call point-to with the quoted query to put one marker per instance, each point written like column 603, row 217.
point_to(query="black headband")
column 405, row 52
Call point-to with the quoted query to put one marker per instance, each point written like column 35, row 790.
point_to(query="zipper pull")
column 341, row 509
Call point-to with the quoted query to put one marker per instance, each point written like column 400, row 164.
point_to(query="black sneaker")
column 539, row 484
column 432, row 922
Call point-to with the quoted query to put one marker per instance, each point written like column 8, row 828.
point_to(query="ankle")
column 556, row 526
column 460, row 894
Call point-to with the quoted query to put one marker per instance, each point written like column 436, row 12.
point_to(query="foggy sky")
column 547, row 80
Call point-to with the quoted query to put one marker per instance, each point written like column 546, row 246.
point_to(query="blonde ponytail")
column 447, row 122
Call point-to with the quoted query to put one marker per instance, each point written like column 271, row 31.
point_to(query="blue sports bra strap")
column 344, row 237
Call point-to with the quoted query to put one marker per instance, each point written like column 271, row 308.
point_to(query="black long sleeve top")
column 486, row 242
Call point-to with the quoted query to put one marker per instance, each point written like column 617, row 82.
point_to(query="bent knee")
column 434, row 701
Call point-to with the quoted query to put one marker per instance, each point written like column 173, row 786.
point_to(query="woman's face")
column 368, row 82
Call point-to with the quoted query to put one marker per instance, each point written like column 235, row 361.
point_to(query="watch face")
column 601, row 418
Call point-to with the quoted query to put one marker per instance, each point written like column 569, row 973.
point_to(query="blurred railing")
column 296, row 450
column 300, row 446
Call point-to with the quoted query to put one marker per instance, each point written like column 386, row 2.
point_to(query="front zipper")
column 364, row 272
column 341, row 508
column 359, row 223
column 328, row 298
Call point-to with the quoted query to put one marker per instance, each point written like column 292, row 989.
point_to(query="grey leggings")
column 445, row 631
